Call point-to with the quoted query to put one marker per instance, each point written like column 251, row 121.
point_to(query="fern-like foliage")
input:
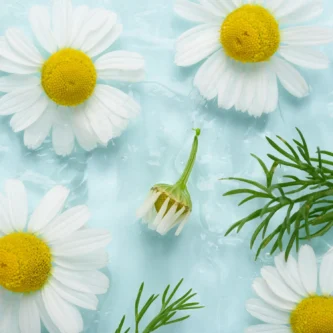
column 167, row 315
column 305, row 194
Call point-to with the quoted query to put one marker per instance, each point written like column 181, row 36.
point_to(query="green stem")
column 190, row 163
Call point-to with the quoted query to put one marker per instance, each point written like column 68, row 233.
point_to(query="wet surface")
column 114, row 181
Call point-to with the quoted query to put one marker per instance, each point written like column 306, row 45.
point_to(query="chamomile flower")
column 59, row 90
column 250, row 46
column 169, row 206
column 290, row 300
column 49, row 263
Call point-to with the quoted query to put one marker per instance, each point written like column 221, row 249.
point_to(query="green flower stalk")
column 168, row 206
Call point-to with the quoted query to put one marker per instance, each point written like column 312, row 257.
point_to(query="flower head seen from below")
column 170, row 206
column 49, row 264
column 248, row 49
column 290, row 301
column 58, row 90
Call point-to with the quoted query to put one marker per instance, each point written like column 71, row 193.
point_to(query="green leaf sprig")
column 307, row 201
column 170, row 307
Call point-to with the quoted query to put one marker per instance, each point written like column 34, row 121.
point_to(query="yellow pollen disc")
column 250, row 34
column 25, row 262
column 313, row 315
column 69, row 77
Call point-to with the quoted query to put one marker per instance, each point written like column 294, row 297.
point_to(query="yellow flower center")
column 313, row 315
column 25, row 262
column 250, row 34
column 69, row 77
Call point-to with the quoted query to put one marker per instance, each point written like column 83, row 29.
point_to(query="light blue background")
column 113, row 182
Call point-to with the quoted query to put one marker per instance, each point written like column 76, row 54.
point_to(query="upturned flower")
column 168, row 206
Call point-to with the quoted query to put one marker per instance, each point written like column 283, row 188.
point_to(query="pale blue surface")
column 115, row 181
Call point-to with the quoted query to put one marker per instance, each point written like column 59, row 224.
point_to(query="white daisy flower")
column 49, row 265
column 290, row 301
column 61, row 91
column 170, row 206
column 249, row 49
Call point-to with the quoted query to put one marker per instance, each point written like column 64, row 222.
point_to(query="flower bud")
column 168, row 206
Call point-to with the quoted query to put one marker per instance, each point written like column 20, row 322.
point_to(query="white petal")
column 248, row 91
column 113, row 107
column 10, row 315
column 62, row 20
column 87, row 262
column 106, row 42
column 286, row 7
column 307, row 35
column 197, row 44
column 17, row 204
column 12, row 82
column 220, row 8
column 80, row 16
column 19, row 100
column 35, row 134
column 304, row 57
column 107, row 21
column 326, row 274
column 81, row 242
column 46, row 319
column 65, row 224
column 5, row 225
column 257, row 108
column 237, row 96
column 182, row 224
column 307, row 266
column 179, row 217
column 239, row 3
column 160, row 215
column 305, row 11
column 274, row 5
column 194, row 12
column 65, row 316
column 148, row 204
column 41, row 26
column 117, row 102
column 272, row 91
column 265, row 328
column 290, row 78
column 278, row 286
column 83, row 300
column 29, row 319
column 15, row 62
column 209, row 75
column 25, row 118
column 98, row 31
column 87, row 282
column 262, row 311
column 168, row 224
column 264, row 292
column 83, row 131
column 227, row 87
column 9, row 66
column 63, row 138
column 97, row 115
column 167, row 220
column 260, row 100
column 289, row 273
column 121, row 66
column 86, row 23
column 21, row 45
column 48, row 208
